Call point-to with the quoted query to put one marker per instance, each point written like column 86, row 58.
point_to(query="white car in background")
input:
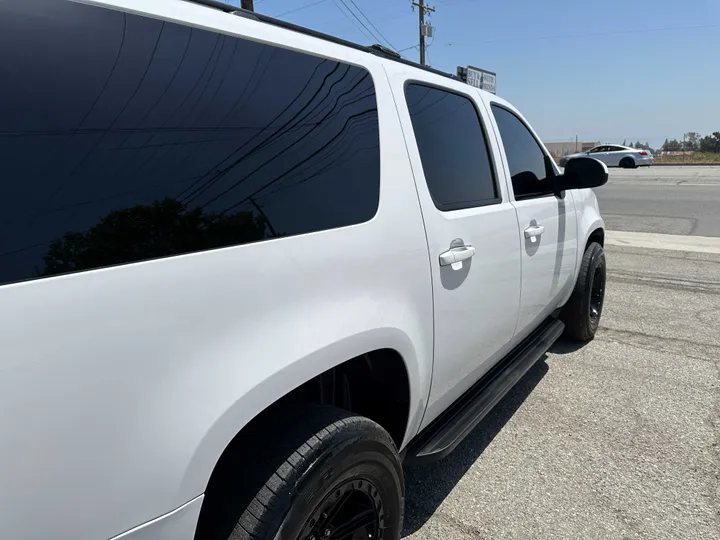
column 615, row 155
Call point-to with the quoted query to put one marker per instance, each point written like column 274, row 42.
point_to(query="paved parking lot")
column 619, row 439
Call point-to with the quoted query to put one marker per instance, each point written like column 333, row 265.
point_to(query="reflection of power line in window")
column 231, row 154
column 182, row 103
column 318, row 173
column 200, row 114
column 236, row 184
column 190, row 155
column 426, row 107
column 213, row 62
column 340, row 145
column 294, row 167
column 155, row 105
column 322, row 107
column 323, row 125
column 444, row 116
column 193, row 196
column 97, row 98
column 225, row 171
column 112, row 124
column 416, row 103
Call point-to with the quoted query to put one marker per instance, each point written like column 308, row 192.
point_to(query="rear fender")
column 267, row 391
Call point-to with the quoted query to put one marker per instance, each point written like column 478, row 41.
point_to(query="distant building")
column 560, row 149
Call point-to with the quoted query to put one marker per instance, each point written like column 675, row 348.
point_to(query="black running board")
column 444, row 433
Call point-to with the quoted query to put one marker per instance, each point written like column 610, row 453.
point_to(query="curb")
column 681, row 164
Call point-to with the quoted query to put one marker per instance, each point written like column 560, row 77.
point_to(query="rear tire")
column 308, row 471
column 582, row 312
column 628, row 163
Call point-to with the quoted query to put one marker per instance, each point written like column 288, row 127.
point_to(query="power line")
column 63, row 185
column 367, row 31
column 299, row 8
column 371, row 24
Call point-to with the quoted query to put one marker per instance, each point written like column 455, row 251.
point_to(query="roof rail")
column 222, row 6
column 378, row 50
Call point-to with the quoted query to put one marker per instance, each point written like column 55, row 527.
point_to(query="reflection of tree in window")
column 160, row 131
column 143, row 232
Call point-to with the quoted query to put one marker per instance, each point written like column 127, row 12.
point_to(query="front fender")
column 589, row 220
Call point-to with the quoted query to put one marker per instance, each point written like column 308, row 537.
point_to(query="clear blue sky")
column 624, row 69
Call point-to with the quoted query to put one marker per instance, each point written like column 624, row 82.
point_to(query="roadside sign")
column 479, row 78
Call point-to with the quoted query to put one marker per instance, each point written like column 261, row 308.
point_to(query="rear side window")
column 524, row 155
column 453, row 148
column 124, row 138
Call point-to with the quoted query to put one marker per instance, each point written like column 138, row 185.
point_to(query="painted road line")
column 673, row 242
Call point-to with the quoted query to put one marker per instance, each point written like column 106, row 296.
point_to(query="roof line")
column 376, row 49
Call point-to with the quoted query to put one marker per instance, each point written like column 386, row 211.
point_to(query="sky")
column 605, row 71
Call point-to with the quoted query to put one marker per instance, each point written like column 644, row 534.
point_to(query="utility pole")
column 422, row 9
column 247, row 4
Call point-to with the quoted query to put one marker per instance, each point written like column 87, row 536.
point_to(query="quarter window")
column 453, row 148
column 125, row 138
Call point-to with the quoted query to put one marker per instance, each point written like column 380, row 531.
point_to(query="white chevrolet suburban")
column 248, row 270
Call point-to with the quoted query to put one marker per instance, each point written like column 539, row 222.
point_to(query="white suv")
column 247, row 270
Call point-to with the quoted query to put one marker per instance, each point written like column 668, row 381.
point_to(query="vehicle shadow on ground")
column 426, row 487
column 563, row 346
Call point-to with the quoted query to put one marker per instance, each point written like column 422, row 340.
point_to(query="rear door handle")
column 533, row 231
column 456, row 254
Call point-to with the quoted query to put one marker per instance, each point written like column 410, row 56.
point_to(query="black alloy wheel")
column 354, row 511
column 583, row 310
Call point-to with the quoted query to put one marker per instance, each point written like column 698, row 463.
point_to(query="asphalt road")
column 668, row 200
column 619, row 439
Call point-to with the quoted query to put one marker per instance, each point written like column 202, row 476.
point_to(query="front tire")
column 582, row 312
column 313, row 472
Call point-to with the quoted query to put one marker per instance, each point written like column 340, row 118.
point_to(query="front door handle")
column 456, row 254
column 533, row 231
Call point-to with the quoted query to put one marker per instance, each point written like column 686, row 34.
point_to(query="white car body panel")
column 122, row 386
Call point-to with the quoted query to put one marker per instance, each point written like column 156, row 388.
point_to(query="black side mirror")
column 583, row 173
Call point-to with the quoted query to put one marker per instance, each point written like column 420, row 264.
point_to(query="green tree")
column 671, row 145
column 710, row 143
column 142, row 232
column 693, row 140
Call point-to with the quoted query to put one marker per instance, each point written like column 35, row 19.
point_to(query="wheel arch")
column 390, row 351
column 597, row 235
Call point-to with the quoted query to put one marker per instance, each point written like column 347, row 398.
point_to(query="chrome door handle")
column 533, row 231
column 456, row 254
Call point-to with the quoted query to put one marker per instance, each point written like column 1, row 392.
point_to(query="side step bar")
column 444, row 433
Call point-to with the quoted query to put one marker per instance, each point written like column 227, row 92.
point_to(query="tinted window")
column 525, row 157
column 453, row 148
column 124, row 138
